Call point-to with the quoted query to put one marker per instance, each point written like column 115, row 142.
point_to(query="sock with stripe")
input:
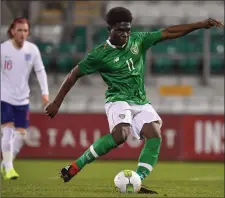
column 100, row 147
column 148, row 157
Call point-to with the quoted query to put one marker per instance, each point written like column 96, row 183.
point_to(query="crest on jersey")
column 134, row 49
column 27, row 57
column 122, row 116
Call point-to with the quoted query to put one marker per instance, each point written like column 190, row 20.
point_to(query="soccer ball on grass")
column 127, row 181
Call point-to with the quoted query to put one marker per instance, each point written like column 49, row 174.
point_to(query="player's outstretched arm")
column 176, row 31
column 52, row 109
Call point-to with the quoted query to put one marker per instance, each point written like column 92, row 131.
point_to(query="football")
column 127, row 181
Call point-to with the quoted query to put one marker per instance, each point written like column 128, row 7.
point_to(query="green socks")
column 148, row 157
column 100, row 147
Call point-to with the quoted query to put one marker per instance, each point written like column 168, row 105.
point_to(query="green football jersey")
column 122, row 69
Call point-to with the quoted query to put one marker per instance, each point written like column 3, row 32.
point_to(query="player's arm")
column 41, row 76
column 88, row 65
column 70, row 80
column 176, row 31
column 68, row 83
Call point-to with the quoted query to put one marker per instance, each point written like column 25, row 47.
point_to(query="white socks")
column 18, row 141
column 11, row 145
column 6, row 146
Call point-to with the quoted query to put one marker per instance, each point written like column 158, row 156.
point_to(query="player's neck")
column 114, row 44
column 16, row 45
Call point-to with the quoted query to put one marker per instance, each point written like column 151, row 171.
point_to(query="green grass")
column 39, row 178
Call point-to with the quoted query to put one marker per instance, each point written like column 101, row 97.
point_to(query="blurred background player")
column 18, row 58
column 120, row 61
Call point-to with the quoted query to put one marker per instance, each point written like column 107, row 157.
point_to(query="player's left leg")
column 149, row 155
column 147, row 124
column 21, row 125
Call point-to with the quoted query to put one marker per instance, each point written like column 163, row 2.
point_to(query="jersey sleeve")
column 38, row 63
column 150, row 38
column 90, row 64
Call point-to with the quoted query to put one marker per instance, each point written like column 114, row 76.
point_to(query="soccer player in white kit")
column 18, row 58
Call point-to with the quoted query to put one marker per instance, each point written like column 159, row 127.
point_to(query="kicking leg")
column 119, row 118
column 100, row 147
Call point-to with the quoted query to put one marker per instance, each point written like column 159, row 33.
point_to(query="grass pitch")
column 39, row 178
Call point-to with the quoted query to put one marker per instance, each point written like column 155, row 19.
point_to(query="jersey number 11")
column 130, row 64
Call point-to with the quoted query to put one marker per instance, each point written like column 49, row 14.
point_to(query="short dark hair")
column 118, row 15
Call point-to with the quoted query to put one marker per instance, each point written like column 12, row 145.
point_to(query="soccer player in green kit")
column 121, row 61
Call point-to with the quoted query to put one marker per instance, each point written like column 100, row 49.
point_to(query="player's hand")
column 212, row 23
column 51, row 109
column 45, row 100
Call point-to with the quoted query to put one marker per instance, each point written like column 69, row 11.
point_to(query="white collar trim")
column 113, row 46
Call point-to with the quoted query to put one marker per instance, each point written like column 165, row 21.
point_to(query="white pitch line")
column 54, row 178
column 208, row 178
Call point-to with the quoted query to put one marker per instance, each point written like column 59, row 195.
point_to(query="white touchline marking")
column 54, row 178
column 207, row 178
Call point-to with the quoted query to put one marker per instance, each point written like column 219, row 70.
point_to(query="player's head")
column 19, row 30
column 119, row 21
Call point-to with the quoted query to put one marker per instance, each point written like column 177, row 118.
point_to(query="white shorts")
column 135, row 115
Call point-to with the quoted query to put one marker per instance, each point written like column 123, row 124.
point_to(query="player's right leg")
column 119, row 118
column 7, row 121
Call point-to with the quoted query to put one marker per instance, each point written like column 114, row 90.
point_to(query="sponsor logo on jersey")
column 27, row 57
column 122, row 116
column 116, row 59
column 134, row 49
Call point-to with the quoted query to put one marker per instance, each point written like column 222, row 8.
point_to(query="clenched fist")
column 52, row 109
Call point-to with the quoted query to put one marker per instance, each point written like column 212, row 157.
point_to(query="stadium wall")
column 185, row 137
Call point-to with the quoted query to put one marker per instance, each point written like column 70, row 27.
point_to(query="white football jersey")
column 16, row 66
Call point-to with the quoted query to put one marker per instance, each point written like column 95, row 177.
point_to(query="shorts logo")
column 27, row 57
column 122, row 116
column 134, row 49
